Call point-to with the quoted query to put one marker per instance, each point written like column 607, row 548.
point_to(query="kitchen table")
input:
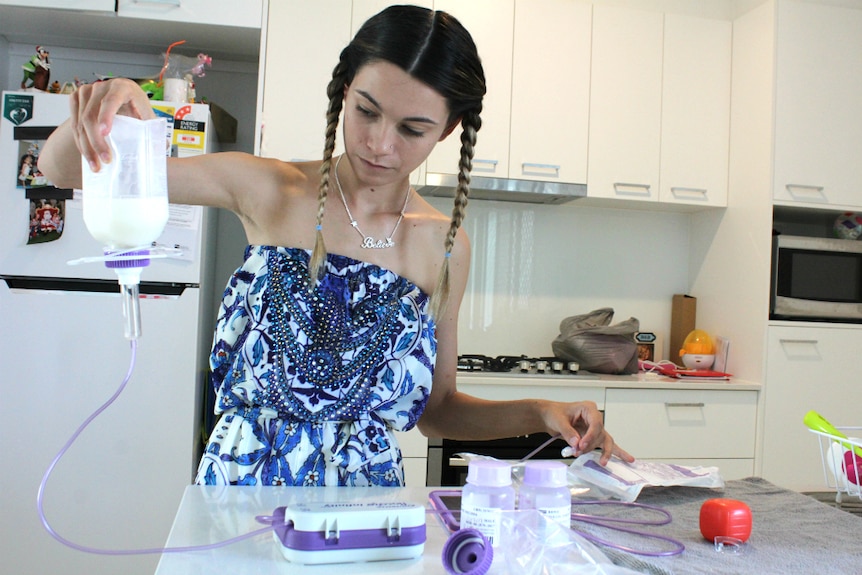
column 792, row 533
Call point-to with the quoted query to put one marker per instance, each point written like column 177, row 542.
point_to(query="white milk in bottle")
column 126, row 201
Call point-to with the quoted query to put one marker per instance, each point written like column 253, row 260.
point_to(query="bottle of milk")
column 126, row 205
column 126, row 201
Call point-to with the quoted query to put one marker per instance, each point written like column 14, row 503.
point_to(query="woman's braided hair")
column 433, row 47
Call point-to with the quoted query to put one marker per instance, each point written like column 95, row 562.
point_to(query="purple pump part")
column 130, row 263
column 348, row 539
column 467, row 552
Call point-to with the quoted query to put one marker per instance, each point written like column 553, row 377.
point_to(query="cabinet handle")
column 669, row 405
column 489, row 166
column 688, row 193
column 802, row 349
column 805, row 192
column 533, row 169
column 625, row 189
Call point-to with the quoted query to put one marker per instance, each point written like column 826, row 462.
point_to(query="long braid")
column 335, row 92
column 470, row 122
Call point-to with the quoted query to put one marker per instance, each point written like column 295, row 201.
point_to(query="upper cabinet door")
column 294, row 94
column 490, row 23
column 550, row 91
column 818, row 124
column 695, row 120
column 365, row 9
column 245, row 14
column 625, row 104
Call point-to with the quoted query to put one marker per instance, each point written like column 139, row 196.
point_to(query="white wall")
column 4, row 63
column 534, row 265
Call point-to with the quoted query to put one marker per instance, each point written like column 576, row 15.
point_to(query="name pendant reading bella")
column 370, row 243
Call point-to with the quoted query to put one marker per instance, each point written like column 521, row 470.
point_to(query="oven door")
column 447, row 469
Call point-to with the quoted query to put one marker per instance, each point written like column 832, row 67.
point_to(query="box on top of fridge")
column 189, row 127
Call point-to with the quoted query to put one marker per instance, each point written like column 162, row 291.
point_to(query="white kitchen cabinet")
column 808, row 368
column 550, row 91
column 365, row 9
column 414, row 454
column 625, row 104
column 659, row 107
column 818, row 127
column 695, row 117
column 246, row 14
column 491, row 24
column 294, row 94
column 689, row 426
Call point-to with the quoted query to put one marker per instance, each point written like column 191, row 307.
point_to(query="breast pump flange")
column 126, row 206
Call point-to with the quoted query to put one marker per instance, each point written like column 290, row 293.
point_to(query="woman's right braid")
column 470, row 123
column 335, row 92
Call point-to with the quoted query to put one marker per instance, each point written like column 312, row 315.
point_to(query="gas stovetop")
column 520, row 364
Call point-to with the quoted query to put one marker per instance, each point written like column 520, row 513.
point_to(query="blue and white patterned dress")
column 311, row 382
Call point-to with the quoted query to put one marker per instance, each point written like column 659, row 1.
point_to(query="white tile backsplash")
column 534, row 265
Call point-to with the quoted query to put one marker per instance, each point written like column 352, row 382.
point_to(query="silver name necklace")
column 369, row 241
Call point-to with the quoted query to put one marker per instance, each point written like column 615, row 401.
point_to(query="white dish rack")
column 844, row 479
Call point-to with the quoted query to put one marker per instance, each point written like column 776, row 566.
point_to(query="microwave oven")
column 816, row 279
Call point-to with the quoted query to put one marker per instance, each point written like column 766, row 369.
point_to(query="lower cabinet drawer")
column 682, row 424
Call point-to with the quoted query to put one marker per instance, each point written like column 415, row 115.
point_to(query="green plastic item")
column 817, row 422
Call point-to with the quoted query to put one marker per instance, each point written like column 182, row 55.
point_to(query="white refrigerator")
column 61, row 335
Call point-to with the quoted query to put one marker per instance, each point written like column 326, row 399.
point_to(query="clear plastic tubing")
column 545, row 489
column 487, row 494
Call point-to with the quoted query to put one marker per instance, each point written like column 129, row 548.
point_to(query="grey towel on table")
column 791, row 533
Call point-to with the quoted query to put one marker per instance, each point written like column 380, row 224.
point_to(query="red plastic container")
column 725, row 518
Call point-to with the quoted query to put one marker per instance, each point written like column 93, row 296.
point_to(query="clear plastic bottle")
column 545, row 489
column 487, row 494
column 126, row 202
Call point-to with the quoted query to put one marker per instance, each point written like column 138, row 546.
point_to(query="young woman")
column 341, row 324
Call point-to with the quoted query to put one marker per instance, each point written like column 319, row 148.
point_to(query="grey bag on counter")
column 597, row 346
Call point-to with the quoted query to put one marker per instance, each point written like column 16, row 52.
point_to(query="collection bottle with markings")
column 545, row 489
column 487, row 494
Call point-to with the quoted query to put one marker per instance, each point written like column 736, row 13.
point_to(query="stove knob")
column 557, row 366
column 524, row 365
column 574, row 366
column 541, row 366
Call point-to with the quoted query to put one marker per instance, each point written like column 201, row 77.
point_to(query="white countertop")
column 635, row 381
column 213, row 514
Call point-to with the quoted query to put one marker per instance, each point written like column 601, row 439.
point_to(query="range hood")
column 503, row 189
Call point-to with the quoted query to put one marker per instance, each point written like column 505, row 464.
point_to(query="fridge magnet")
column 47, row 211
column 17, row 108
column 47, row 217
column 28, row 172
